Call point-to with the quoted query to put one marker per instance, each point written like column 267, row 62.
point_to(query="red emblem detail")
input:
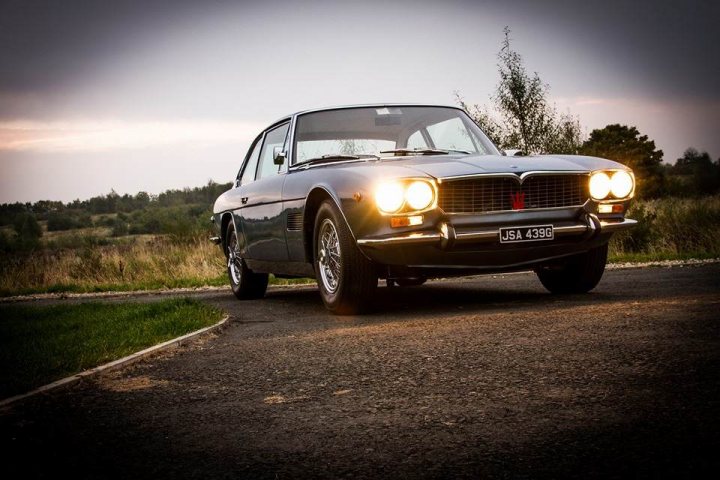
column 518, row 200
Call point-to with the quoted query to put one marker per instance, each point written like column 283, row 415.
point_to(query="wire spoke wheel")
column 245, row 284
column 329, row 256
column 234, row 261
column 345, row 277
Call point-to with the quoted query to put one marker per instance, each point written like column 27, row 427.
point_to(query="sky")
column 148, row 95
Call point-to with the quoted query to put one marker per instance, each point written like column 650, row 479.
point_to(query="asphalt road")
column 481, row 377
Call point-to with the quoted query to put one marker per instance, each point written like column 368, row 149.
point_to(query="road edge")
column 116, row 364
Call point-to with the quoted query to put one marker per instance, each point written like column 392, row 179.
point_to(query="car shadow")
column 433, row 299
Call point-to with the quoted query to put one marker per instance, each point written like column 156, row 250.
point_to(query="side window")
column 273, row 138
column 416, row 140
column 248, row 174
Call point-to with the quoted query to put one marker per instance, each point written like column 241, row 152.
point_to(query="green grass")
column 39, row 345
column 219, row 281
column 659, row 257
column 169, row 283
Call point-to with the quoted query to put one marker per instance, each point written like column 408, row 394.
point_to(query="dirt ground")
column 478, row 377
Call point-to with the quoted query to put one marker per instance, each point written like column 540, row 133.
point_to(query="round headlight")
column 621, row 184
column 599, row 185
column 419, row 195
column 389, row 197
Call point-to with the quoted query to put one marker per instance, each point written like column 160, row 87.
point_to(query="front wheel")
column 347, row 280
column 577, row 274
column 245, row 284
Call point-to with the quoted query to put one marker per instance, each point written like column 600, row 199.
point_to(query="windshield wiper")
column 337, row 156
column 423, row 151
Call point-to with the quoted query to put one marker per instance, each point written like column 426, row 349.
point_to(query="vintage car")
column 349, row 195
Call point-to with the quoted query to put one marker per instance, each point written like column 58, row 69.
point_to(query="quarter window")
column 273, row 138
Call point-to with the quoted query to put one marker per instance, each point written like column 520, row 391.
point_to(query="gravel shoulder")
column 477, row 377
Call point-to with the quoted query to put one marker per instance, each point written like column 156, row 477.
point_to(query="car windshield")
column 387, row 131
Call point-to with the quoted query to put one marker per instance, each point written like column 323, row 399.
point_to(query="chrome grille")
column 493, row 194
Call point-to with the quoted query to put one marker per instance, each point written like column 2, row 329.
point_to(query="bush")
column 119, row 228
column 180, row 222
column 673, row 226
column 28, row 232
column 639, row 238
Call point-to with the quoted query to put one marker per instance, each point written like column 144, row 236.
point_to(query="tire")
column 411, row 281
column 346, row 279
column 577, row 274
column 245, row 284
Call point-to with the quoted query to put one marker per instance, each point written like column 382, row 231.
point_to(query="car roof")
column 361, row 105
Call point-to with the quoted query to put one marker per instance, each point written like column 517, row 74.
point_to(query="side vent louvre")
column 294, row 221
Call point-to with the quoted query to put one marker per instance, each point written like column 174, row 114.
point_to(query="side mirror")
column 514, row 152
column 278, row 156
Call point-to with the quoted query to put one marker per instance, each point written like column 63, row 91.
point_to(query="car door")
column 262, row 214
column 245, row 177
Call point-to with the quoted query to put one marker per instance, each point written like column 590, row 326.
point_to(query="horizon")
column 158, row 94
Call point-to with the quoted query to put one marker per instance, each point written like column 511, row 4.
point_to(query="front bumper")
column 480, row 247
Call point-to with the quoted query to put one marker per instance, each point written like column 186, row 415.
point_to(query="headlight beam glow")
column 405, row 196
column 419, row 195
column 390, row 197
column 599, row 185
column 621, row 184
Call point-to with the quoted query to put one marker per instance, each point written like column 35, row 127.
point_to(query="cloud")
column 108, row 135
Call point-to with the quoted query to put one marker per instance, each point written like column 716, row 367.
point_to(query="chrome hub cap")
column 329, row 256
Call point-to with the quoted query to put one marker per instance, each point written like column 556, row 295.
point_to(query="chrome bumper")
column 447, row 235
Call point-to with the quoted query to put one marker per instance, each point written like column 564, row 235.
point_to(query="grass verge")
column 39, row 345
column 668, row 229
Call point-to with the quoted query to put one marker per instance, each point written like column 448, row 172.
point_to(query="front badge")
column 518, row 200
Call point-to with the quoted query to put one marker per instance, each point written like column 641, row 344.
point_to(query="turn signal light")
column 606, row 208
column 410, row 221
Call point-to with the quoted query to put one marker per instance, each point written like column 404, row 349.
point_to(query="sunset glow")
column 99, row 136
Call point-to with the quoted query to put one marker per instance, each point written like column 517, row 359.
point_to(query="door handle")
column 244, row 200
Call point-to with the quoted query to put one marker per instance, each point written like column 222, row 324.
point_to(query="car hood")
column 458, row 165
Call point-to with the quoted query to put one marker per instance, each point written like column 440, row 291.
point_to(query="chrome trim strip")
column 408, row 238
column 490, row 235
column 520, row 178
column 488, row 212
column 617, row 226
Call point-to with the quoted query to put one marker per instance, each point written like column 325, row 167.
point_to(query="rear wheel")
column 347, row 280
column 577, row 274
column 246, row 284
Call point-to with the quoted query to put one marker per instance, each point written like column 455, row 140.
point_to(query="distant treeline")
column 76, row 214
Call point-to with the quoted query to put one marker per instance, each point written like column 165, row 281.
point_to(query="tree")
column 28, row 231
column 522, row 117
column 703, row 173
column 626, row 145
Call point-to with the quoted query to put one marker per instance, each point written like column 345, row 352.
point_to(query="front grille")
column 493, row 194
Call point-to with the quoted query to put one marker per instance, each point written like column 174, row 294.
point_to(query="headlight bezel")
column 405, row 208
column 611, row 196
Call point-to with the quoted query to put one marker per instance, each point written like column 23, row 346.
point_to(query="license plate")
column 532, row 233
